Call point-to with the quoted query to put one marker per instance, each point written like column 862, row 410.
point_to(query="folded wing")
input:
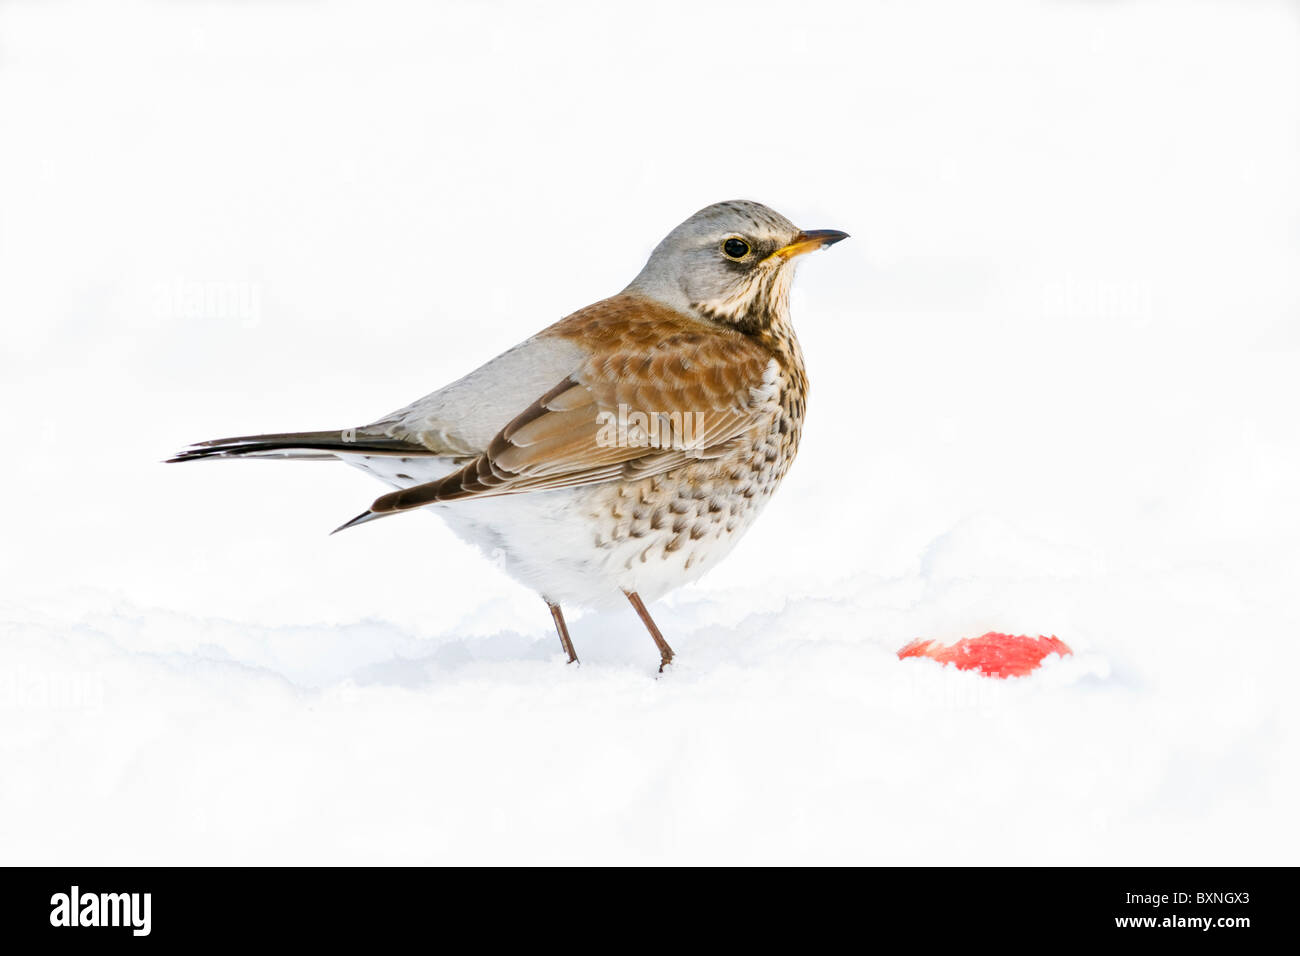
column 626, row 413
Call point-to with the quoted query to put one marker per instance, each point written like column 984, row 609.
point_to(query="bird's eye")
column 736, row 248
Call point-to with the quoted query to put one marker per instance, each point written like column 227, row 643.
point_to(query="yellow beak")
column 810, row 240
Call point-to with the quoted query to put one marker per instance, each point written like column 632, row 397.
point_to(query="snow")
column 1054, row 392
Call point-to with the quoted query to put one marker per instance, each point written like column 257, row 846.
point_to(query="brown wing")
column 649, row 398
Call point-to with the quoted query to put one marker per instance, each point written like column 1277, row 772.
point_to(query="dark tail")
column 319, row 446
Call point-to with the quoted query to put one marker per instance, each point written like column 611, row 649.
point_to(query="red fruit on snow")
column 993, row 654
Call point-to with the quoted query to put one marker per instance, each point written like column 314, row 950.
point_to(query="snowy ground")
column 1054, row 385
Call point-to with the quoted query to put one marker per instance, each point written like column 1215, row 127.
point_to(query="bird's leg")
column 563, row 630
column 665, row 652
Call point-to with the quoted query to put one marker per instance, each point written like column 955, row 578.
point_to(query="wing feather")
column 653, row 394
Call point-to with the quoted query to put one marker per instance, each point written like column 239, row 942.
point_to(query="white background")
column 1054, row 391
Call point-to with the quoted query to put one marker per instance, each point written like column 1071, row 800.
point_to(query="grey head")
column 731, row 263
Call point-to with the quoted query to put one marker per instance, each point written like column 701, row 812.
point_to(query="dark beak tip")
column 828, row 237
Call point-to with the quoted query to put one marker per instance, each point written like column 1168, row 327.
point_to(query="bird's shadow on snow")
column 603, row 640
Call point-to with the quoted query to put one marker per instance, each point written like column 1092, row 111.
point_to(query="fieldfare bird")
column 621, row 452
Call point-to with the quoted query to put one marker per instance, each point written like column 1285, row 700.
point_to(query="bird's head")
column 730, row 263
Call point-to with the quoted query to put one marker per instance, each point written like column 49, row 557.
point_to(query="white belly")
column 565, row 544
